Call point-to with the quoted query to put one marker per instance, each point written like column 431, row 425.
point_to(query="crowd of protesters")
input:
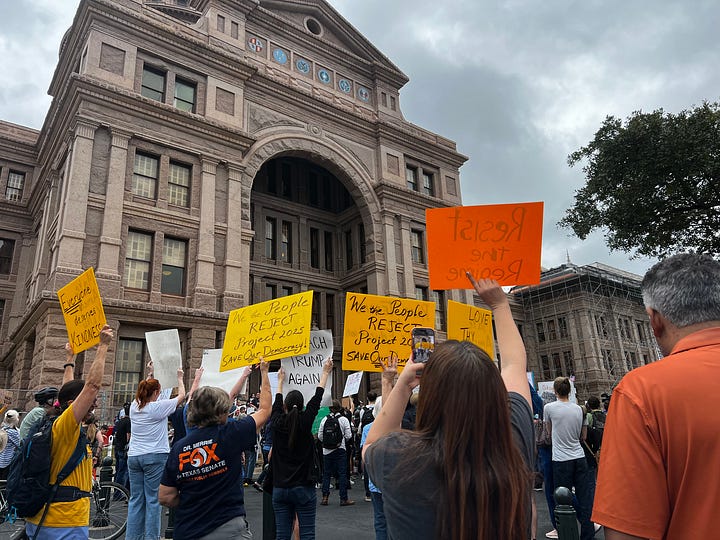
column 468, row 475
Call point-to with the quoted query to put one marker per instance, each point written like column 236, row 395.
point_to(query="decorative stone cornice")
column 85, row 129
column 209, row 166
column 120, row 138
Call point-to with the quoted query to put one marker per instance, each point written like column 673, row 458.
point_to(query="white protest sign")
column 352, row 385
column 303, row 372
column 546, row 391
column 164, row 349
column 273, row 384
column 213, row 377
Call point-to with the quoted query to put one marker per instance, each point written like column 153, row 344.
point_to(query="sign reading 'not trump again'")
column 82, row 310
column 376, row 326
column 500, row 241
column 274, row 329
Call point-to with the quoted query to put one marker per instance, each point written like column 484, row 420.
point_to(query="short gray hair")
column 209, row 406
column 684, row 288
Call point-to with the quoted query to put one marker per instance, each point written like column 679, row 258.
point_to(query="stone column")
column 204, row 294
column 110, row 239
column 73, row 207
column 237, row 244
column 406, row 242
column 392, row 270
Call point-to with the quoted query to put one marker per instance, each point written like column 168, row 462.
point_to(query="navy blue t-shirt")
column 206, row 468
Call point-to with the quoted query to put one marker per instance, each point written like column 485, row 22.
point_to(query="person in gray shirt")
column 568, row 427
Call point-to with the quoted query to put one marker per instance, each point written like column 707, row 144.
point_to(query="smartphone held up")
column 423, row 343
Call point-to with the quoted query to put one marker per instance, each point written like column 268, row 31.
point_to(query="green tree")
column 652, row 183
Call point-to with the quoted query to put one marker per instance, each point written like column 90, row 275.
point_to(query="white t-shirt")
column 567, row 420
column 149, row 427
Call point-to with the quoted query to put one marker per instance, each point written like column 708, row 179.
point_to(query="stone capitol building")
column 204, row 155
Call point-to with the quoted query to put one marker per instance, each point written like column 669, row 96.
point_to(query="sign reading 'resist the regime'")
column 500, row 241
column 274, row 329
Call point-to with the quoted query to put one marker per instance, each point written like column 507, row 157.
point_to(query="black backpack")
column 28, row 482
column 332, row 433
column 595, row 431
column 367, row 417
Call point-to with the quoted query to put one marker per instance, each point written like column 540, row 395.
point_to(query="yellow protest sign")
column 82, row 309
column 468, row 323
column 273, row 329
column 376, row 326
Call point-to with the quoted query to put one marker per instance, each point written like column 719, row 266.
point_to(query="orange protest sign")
column 83, row 311
column 376, row 326
column 500, row 241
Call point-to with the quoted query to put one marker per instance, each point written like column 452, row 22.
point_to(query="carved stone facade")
column 201, row 156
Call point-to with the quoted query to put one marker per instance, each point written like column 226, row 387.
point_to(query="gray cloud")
column 517, row 84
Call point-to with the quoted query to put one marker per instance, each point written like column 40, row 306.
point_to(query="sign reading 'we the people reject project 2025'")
column 274, row 329
column 501, row 242
column 376, row 326
column 83, row 311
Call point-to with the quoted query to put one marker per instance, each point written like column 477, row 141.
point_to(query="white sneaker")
column 597, row 527
column 551, row 534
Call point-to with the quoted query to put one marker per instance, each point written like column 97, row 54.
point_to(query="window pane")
column 15, row 183
column 137, row 274
column 314, row 248
column 439, row 299
column 286, row 242
column 139, row 246
column 428, row 188
column 174, row 252
column 153, row 84
column 411, row 177
column 173, row 280
column 6, row 254
column 329, row 252
column 270, row 233
column 145, row 175
column 178, row 192
column 184, row 95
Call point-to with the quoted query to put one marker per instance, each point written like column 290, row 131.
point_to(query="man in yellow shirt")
column 68, row 517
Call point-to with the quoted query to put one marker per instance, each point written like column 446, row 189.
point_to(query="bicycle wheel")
column 108, row 511
column 9, row 527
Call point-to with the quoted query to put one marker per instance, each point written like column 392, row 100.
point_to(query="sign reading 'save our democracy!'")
column 468, row 323
column 274, row 329
column 82, row 310
column 501, row 242
column 376, row 326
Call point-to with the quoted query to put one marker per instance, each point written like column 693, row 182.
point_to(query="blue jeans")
column 335, row 463
column 287, row 502
column 546, row 468
column 121, row 469
column 575, row 473
column 144, row 508
column 250, row 459
column 379, row 516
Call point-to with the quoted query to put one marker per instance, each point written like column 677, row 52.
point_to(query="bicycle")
column 108, row 512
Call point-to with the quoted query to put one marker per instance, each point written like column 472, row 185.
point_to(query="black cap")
column 46, row 396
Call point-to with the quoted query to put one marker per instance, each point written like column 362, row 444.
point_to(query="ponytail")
column 146, row 389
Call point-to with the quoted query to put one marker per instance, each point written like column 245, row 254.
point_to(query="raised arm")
column 195, row 384
column 180, row 386
column 393, row 407
column 69, row 367
column 93, row 382
column 513, row 365
column 327, row 370
column 237, row 388
column 264, row 407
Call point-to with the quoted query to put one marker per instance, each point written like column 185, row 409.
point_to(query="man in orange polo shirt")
column 659, row 466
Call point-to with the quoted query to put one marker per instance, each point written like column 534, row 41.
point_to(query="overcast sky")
column 518, row 84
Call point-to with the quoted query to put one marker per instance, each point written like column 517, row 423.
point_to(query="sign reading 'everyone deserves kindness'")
column 82, row 310
column 376, row 326
column 501, row 242
column 274, row 329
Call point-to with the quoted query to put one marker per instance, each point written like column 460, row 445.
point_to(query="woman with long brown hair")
column 464, row 473
column 147, row 454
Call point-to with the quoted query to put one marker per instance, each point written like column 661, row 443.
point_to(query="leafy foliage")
column 653, row 183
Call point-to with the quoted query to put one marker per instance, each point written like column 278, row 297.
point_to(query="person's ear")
column 657, row 322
